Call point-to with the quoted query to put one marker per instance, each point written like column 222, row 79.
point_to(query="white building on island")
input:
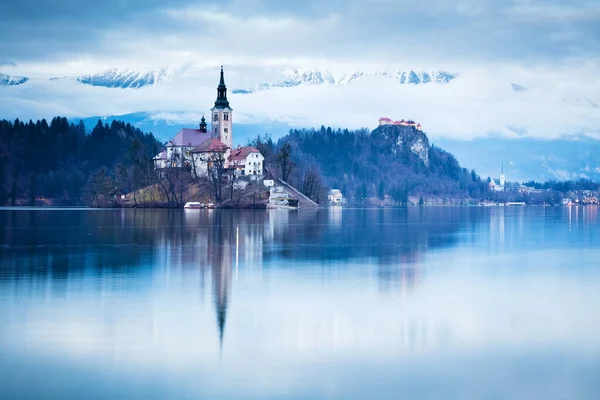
column 247, row 161
column 194, row 148
column 269, row 179
column 204, row 152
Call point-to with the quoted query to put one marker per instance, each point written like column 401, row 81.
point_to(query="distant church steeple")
column 502, row 179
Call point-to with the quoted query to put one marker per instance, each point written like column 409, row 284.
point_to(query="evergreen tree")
column 60, row 160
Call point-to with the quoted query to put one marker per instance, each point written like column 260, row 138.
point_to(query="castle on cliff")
column 387, row 121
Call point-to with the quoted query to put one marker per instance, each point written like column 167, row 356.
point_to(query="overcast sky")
column 427, row 31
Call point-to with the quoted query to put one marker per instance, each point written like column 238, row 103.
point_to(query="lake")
column 418, row 303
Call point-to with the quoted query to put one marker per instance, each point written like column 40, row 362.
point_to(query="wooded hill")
column 61, row 161
column 396, row 161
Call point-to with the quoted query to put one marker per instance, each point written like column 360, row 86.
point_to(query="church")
column 498, row 184
column 195, row 148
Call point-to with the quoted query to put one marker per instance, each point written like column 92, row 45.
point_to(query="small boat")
column 210, row 205
column 193, row 205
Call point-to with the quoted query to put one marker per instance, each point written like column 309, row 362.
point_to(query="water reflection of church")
column 215, row 242
column 223, row 245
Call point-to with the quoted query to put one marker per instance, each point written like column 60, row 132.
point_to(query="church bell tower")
column 221, row 118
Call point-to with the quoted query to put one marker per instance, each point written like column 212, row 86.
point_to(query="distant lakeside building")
column 498, row 184
column 335, row 196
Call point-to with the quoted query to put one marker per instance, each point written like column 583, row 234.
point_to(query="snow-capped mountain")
column 11, row 80
column 244, row 80
column 124, row 79
column 315, row 77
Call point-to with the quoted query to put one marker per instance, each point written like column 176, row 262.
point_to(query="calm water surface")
column 433, row 303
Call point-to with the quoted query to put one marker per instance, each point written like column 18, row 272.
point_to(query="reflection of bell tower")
column 221, row 262
column 221, row 275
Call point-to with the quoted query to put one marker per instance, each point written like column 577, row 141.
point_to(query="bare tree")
column 125, row 177
column 216, row 168
column 173, row 181
column 312, row 184
column 233, row 179
column 285, row 161
column 99, row 188
column 193, row 163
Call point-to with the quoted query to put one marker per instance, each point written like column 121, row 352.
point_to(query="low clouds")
column 481, row 101
column 552, row 47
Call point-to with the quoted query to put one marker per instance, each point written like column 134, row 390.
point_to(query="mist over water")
column 454, row 303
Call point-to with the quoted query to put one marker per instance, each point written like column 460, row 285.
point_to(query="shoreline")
column 266, row 208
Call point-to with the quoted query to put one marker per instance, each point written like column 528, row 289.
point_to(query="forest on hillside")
column 363, row 165
column 62, row 161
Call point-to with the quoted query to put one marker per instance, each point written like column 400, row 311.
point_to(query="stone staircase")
column 303, row 201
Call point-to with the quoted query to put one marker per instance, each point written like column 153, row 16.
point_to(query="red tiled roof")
column 190, row 137
column 384, row 119
column 398, row 123
column 241, row 153
column 210, row 145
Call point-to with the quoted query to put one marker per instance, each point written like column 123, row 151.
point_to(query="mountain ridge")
column 317, row 77
column 279, row 77
column 12, row 80
column 123, row 79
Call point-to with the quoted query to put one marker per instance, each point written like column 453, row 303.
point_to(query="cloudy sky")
column 552, row 47
column 431, row 31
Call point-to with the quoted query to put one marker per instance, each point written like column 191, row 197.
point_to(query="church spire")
column 222, row 82
column 222, row 93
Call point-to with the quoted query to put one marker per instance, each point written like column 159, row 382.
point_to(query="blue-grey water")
column 424, row 303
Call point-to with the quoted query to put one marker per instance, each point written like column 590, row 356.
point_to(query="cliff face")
column 404, row 138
